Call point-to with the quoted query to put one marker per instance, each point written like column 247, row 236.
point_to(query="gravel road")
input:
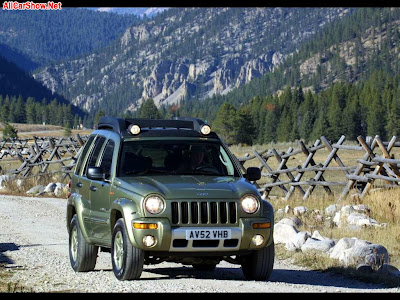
column 34, row 243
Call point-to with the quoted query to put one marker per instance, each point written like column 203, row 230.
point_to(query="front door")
column 100, row 210
column 100, row 197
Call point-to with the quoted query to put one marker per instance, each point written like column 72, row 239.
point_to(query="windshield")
column 175, row 157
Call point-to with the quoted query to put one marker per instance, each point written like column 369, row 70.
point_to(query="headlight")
column 154, row 204
column 249, row 204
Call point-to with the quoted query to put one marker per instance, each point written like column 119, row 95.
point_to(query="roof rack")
column 120, row 125
column 197, row 123
column 111, row 123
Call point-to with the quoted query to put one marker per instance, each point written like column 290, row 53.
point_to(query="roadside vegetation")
column 384, row 207
column 10, row 287
column 384, row 204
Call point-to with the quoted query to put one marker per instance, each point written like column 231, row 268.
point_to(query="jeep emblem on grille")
column 202, row 194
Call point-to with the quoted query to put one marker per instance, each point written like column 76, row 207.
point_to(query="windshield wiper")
column 157, row 171
column 148, row 171
column 134, row 172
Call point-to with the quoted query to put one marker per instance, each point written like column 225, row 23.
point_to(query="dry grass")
column 26, row 131
column 20, row 187
column 10, row 287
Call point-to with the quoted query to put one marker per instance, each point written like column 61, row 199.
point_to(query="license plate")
column 208, row 234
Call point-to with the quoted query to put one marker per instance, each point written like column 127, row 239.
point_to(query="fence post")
column 273, row 176
column 378, row 168
column 360, row 167
column 332, row 154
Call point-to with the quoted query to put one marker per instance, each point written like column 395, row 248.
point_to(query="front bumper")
column 173, row 239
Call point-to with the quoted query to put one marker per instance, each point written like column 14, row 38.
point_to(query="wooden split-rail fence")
column 38, row 153
column 373, row 162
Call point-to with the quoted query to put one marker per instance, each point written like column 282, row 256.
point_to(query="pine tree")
column 307, row 125
column 335, row 112
column 284, row 127
column 30, row 110
column 5, row 110
column 244, row 128
column 9, row 131
column 375, row 119
column 393, row 124
column 270, row 124
column 19, row 112
column 320, row 125
column 98, row 116
column 224, row 123
column 67, row 129
column 148, row 110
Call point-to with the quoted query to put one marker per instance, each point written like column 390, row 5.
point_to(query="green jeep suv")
column 152, row 191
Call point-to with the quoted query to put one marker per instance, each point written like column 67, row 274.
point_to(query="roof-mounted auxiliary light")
column 205, row 129
column 134, row 129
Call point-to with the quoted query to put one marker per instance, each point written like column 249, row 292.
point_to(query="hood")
column 189, row 186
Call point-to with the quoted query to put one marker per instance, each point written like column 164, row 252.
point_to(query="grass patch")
column 6, row 286
column 19, row 186
column 321, row 262
column 388, row 236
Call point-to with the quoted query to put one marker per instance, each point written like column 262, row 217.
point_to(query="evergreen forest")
column 19, row 110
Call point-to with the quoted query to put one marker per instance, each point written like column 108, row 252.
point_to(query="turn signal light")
column 145, row 225
column 261, row 225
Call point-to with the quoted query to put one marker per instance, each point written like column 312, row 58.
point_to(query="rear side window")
column 91, row 162
column 82, row 156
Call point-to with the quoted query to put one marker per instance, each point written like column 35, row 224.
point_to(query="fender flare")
column 75, row 206
column 128, row 210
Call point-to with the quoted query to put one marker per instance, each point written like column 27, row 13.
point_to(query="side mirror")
column 95, row 173
column 253, row 174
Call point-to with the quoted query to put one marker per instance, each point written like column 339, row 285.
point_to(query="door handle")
column 79, row 184
column 93, row 188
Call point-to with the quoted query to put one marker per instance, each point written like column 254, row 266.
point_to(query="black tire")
column 127, row 260
column 259, row 264
column 82, row 255
column 204, row 267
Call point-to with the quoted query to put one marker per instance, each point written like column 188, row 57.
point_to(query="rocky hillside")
column 138, row 11
column 184, row 53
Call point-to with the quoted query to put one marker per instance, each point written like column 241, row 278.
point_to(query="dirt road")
column 34, row 243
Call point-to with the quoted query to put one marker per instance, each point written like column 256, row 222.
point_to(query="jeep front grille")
column 203, row 212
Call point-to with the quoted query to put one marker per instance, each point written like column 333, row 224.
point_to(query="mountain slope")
column 184, row 53
column 137, row 11
column 347, row 50
column 63, row 34
column 15, row 82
